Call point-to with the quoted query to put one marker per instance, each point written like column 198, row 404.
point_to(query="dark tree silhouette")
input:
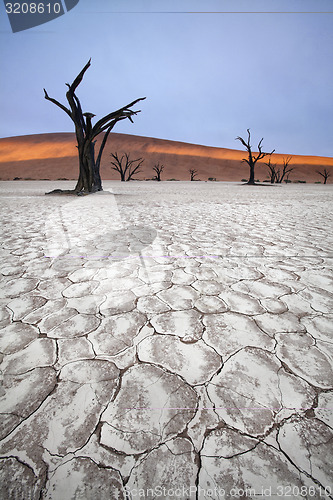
column 193, row 173
column 276, row 175
column 158, row 169
column 125, row 166
column 326, row 174
column 89, row 168
column 251, row 160
column 285, row 170
column 272, row 171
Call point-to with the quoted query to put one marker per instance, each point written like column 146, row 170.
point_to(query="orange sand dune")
column 36, row 147
column 54, row 156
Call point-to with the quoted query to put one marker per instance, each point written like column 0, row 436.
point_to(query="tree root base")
column 256, row 184
column 68, row 192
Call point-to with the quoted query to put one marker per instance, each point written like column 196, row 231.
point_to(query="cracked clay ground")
column 166, row 340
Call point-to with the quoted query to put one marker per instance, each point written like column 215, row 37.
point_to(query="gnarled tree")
column 280, row 176
column 325, row 174
column 89, row 167
column 126, row 167
column 193, row 173
column 251, row 160
column 158, row 169
column 272, row 171
column 276, row 175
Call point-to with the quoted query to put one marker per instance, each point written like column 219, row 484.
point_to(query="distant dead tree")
column 251, row 160
column 285, row 170
column 325, row 174
column 89, row 168
column 193, row 173
column 158, row 169
column 125, row 166
column 276, row 175
column 272, row 171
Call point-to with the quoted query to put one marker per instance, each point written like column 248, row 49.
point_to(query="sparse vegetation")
column 213, row 179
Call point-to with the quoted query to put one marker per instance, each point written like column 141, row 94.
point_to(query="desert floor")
column 166, row 340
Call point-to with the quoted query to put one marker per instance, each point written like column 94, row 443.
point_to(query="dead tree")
column 125, row 167
column 89, row 168
column 193, row 173
column 285, row 170
column 158, row 169
column 251, row 160
column 272, row 171
column 326, row 174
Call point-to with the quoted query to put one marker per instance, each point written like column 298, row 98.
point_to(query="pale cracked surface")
column 184, row 351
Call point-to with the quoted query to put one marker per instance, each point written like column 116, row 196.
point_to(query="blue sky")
column 210, row 69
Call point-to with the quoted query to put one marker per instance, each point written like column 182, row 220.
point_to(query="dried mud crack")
column 180, row 351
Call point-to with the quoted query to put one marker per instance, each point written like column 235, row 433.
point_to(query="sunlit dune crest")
column 193, row 150
column 230, row 154
column 54, row 156
column 28, row 149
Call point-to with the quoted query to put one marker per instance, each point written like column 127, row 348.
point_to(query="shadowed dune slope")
column 54, row 156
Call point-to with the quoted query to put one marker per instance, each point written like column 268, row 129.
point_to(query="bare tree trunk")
column 251, row 178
